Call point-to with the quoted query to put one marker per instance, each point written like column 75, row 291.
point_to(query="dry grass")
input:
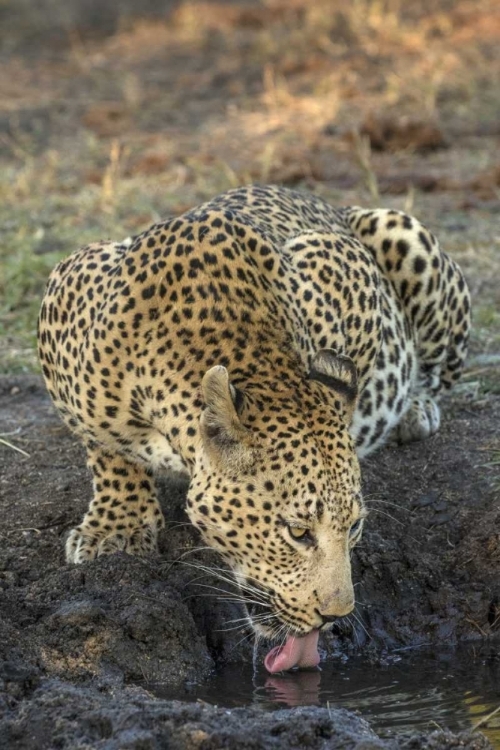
column 103, row 137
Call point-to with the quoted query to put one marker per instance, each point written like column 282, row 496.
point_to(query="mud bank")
column 76, row 643
column 64, row 716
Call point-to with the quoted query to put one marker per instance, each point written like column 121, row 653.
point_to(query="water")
column 418, row 690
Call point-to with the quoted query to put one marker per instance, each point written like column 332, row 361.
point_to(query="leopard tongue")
column 297, row 652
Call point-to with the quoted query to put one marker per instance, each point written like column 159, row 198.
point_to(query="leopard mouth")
column 298, row 649
column 267, row 614
column 266, row 617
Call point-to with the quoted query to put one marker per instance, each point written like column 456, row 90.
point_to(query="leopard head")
column 276, row 490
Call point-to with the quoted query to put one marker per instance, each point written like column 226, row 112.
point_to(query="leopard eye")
column 299, row 533
column 355, row 528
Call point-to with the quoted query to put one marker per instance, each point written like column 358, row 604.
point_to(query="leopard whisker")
column 353, row 629
column 361, row 624
column 259, row 619
column 388, row 515
column 241, row 599
column 246, row 637
column 386, row 502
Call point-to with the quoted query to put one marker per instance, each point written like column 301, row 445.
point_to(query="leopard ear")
column 225, row 438
column 339, row 373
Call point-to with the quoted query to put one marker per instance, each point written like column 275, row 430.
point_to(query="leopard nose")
column 337, row 604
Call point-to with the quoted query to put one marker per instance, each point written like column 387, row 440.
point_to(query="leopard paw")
column 419, row 422
column 85, row 543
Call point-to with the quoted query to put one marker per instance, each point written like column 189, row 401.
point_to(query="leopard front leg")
column 124, row 513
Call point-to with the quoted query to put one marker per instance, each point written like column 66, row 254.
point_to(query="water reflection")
column 451, row 689
column 295, row 689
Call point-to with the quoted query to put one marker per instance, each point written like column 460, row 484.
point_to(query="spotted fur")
column 259, row 344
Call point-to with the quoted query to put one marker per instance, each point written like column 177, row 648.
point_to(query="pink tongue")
column 297, row 652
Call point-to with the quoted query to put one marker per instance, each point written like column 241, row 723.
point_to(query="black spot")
column 149, row 292
column 403, row 248
column 419, row 264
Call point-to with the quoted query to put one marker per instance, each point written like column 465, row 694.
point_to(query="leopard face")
column 279, row 496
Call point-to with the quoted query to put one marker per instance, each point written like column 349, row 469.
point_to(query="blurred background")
column 114, row 114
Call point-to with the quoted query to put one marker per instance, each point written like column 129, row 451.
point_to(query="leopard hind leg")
column 433, row 294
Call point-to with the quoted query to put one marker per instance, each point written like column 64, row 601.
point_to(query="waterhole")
column 417, row 690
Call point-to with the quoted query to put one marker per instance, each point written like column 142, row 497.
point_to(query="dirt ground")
column 110, row 120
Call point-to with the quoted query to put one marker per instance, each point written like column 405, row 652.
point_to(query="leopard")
column 259, row 345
